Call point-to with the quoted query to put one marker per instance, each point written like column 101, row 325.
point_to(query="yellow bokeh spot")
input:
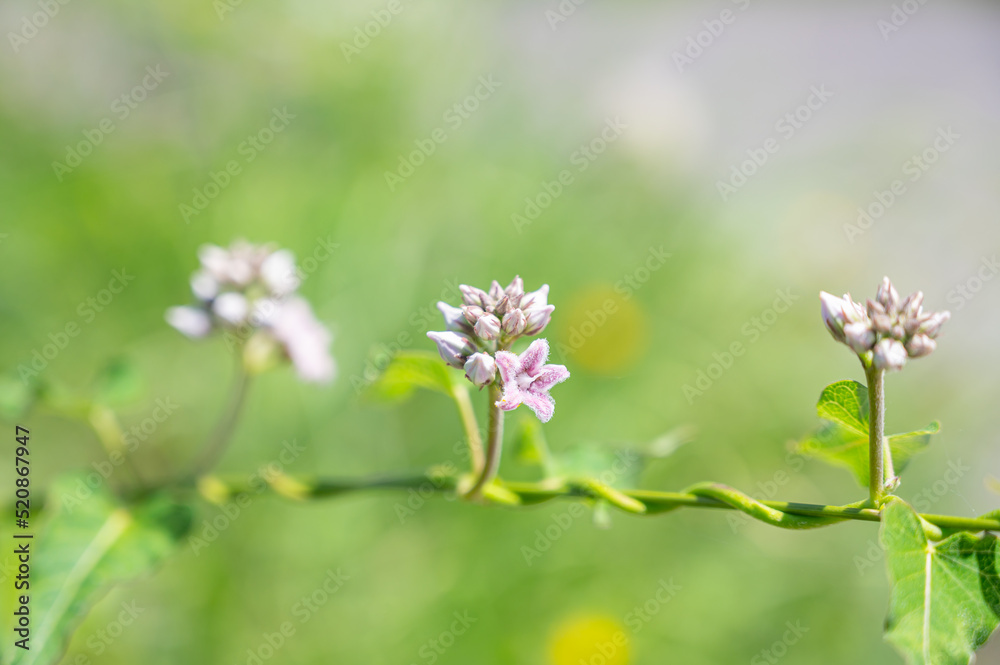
column 589, row 640
column 602, row 330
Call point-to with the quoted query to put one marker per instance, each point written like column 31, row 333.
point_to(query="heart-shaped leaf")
column 945, row 598
column 87, row 546
column 842, row 439
column 409, row 370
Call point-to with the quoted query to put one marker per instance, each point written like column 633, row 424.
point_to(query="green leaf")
column 86, row 547
column 842, row 439
column 945, row 597
column 845, row 403
column 409, row 370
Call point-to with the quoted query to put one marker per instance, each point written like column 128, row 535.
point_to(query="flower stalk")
column 878, row 450
column 494, row 444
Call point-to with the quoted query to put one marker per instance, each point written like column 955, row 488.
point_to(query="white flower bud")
column 472, row 313
column 278, row 273
column 454, row 318
column 481, row 369
column 920, row 345
column 536, row 318
column 860, row 337
column 535, row 299
column 473, row 296
column 204, row 286
column 231, row 308
column 931, row 325
column 496, row 291
column 889, row 354
column 514, row 322
column 515, row 290
column 832, row 309
column 487, row 327
column 190, row 321
column 887, row 296
column 455, row 348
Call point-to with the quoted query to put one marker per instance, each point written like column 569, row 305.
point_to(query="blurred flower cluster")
column 249, row 293
column 886, row 331
column 479, row 333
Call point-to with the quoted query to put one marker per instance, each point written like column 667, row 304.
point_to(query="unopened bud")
column 514, row 322
column 454, row 318
column 481, row 369
column 487, row 327
column 535, row 299
column 931, row 326
column 472, row 313
column 860, row 337
column 920, row 345
column 455, row 348
column 473, row 296
column 832, row 309
column 515, row 290
column 889, row 354
column 536, row 318
column 496, row 291
column 887, row 296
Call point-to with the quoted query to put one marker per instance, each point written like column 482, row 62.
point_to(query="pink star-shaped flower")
column 527, row 379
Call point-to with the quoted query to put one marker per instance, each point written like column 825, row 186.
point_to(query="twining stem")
column 494, row 443
column 219, row 439
column 877, row 452
column 534, row 493
column 461, row 396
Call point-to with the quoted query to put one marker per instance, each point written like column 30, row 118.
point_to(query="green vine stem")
column 877, row 448
column 494, row 443
column 706, row 495
column 216, row 444
column 460, row 393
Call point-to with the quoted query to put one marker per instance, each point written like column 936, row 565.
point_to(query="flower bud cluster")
column 488, row 320
column 885, row 331
column 250, row 291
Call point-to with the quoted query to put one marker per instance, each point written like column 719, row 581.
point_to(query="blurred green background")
column 358, row 108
